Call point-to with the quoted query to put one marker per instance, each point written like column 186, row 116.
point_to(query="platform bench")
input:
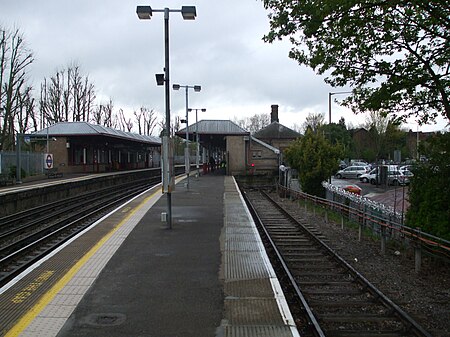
column 53, row 173
column 5, row 179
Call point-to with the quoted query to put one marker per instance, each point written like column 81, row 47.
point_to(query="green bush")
column 429, row 193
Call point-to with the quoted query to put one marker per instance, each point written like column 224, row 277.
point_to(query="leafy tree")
column 315, row 159
column 338, row 134
column 429, row 193
column 395, row 54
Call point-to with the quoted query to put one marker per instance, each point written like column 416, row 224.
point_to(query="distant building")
column 269, row 143
column 276, row 134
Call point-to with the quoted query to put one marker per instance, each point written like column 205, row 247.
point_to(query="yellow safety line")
column 26, row 319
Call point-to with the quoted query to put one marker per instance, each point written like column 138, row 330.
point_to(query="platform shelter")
column 83, row 147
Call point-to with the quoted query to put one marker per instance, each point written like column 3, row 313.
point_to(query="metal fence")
column 31, row 163
column 377, row 218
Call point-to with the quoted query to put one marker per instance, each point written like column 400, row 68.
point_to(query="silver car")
column 352, row 172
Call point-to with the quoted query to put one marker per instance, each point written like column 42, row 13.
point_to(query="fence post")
column 314, row 206
column 326, row 215
column 342, row 221
column 383, row 239
column 418, row 253
column 360, row 232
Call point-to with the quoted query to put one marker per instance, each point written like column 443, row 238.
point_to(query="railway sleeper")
column 355, row 303
column 331, row 292
column 359, row 318
column 324, row 283
column 352, row 333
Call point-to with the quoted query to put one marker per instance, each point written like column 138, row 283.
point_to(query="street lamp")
column 187, row 163
column 197, row 158
column 329, row 101
column 145, row 13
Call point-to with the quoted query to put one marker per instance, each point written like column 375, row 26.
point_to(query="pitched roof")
column 86, row 129
column 220, row 127
column 270, row 147
column 276, row 130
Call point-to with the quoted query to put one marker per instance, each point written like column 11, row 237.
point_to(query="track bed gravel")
column 425, row 295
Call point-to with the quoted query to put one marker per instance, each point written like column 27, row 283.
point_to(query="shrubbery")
column 429, row 193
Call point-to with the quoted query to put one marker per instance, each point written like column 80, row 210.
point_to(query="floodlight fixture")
column 188, row 12
column 176, row 87
column 144, row 12
column 197, row 88
column 159, row 79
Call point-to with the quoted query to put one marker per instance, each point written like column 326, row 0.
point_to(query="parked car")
column 359, row 163
column 368, row 177
column 342, row 165
column 353, row 189
column 394, row 177
column 406, row 170
column 352, row 172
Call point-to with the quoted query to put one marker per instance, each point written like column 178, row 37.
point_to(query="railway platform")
column 129, row 275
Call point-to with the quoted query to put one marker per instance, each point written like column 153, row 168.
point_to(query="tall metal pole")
column 329, row 107
column 167, row 97
column 186, row 150
column 197, row 153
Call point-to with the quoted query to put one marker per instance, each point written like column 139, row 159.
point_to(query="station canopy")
column 212, row 133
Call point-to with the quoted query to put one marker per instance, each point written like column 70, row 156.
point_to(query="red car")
column 353, row 189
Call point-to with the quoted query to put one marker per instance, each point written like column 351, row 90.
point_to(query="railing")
column 378, row 219
column 31, row 163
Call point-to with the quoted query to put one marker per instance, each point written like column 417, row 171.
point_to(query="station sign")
column 48, row 160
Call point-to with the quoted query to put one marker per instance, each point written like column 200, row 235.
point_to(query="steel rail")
column 311, row 318
column 60, row 233
column 402, row 316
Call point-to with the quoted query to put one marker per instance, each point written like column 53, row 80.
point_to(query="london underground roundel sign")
column 48, row 161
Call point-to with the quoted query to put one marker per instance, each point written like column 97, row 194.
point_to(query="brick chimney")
column 274, row 113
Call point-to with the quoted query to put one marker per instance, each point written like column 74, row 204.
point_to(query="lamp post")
column 197, row 154
column 329, row 101
column 329, row 112
column 197, row 88
column 145, row 13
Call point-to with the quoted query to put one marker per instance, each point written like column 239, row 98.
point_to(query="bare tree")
column 26, row 118
column 103, row 115
column 14, row 60
column 313, row 121
column 253, row 123
column 377, row 123
column 126, row 123
column 67, row 96
column 146, row 120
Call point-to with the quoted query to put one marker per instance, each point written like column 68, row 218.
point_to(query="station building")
column 79, row 147
column 244, row 154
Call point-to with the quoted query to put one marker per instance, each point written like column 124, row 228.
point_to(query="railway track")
column 27, row 237
column 329, row 296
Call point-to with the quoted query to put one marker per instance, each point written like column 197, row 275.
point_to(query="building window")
column 256, row 154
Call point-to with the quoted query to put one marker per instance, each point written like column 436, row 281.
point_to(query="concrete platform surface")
column 208, row 275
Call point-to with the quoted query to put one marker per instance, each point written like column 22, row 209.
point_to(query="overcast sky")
column 222, row 50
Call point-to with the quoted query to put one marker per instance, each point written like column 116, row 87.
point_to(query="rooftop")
column 86, row 129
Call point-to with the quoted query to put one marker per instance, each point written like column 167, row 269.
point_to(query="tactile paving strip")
column 254, row 302
column 27, row 293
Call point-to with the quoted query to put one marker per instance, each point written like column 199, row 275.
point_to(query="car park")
column 352, row 172
column 393, row 177
column 368, row 177
column 353, row 189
